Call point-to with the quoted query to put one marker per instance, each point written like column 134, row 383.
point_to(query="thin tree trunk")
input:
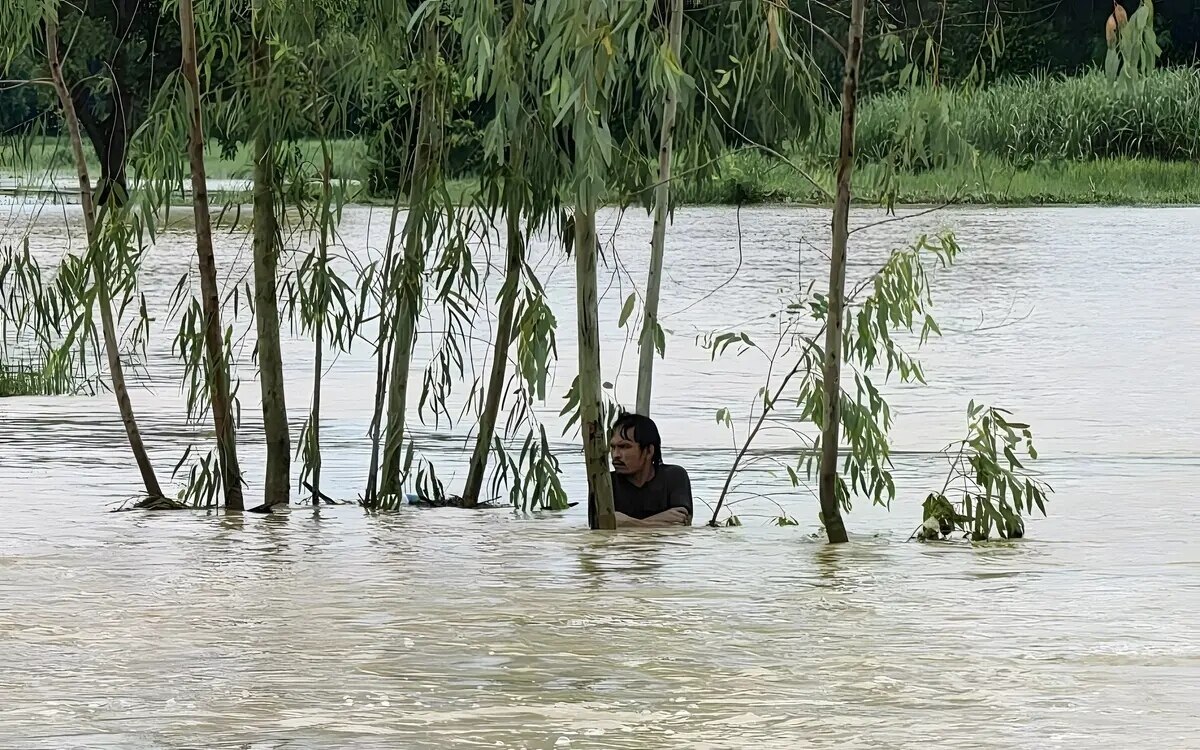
column 662, row 201
column 266, row 304
column 591, row 395
column 495, row 387
column 382, row 357
column 107, row 324
column 403, row 340
column 411, row 274
column 214, row 339
column 314, row 421
column 831, row 514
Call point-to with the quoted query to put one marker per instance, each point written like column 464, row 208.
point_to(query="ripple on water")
column 436, row 629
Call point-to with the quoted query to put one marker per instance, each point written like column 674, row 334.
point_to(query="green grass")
column 751, row 178
column 1048, row 119
column 50, row 155
column 1082, row 140
column 26, row 379
column 990, row 180
column 1102, row 182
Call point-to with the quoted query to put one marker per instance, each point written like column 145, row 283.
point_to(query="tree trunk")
column 214, row 338
column 314, row 420
column 111, row 151
column 266, row 303
column 591, row 395
column 107, row 323
column 831, row 514
column 662, row 200
column 382, row 358
column 495, row 387
column 109, row 137
column 410, row 277
column 404, row 335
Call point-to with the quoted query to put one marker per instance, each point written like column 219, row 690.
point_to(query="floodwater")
column 449, row 629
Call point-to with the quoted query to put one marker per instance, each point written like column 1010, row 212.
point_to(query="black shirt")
column 669, row 488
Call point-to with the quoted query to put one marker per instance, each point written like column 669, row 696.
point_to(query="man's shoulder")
column 673, row 473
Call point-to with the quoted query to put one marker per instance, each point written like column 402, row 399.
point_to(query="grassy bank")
column 752, row 178
column 1082, row 140
column 39, row 157
column 987, row 181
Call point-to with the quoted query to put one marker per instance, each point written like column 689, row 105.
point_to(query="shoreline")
column 54, row 197
column 753, row 181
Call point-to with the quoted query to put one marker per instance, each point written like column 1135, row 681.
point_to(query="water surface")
column 450, row 629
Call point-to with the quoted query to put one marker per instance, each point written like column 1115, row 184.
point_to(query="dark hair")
column 641, row 430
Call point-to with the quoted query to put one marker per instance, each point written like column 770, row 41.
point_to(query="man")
column 646, row 492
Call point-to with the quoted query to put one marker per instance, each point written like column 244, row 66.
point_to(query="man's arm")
column 669, row 517
column 629, row 522
column 681, row 493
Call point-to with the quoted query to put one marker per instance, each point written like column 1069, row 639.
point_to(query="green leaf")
column 930, row 326
column 627, row 309
column 1112, row 64
column 1012, row 458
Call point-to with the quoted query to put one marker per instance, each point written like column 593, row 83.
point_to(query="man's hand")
column 628, row 522
column 672, row 517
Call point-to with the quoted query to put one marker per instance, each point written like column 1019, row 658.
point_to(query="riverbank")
column 988, row 181
column 747, row 178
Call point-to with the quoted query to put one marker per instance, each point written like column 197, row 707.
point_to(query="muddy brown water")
column 439, row 629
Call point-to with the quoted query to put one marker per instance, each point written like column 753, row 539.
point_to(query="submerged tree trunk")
column 382, row 358
column 504, row 336
column 591, row 394
column 662, row 200
column 314, row 420
column 214, row 339
column 831, row 514
column 410, row 280
column 266, row 303
column 103, row 294
column 403, row 339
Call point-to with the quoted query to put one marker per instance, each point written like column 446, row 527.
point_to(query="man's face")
column 627, row 456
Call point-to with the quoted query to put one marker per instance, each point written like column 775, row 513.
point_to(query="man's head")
column 635, row 444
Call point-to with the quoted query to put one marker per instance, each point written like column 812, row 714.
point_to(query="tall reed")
column 1055, row 118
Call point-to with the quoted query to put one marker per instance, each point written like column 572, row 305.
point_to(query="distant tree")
column 21, row 108
column 120, row 53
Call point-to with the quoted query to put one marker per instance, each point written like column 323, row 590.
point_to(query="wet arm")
column 681, row 496
column 629, row 522
column 669, row 517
